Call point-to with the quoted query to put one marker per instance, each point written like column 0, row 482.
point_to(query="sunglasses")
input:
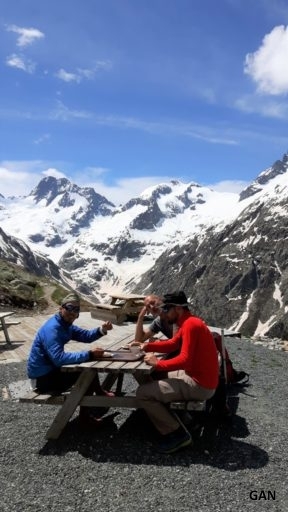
column 166, row 308
column 71, row 309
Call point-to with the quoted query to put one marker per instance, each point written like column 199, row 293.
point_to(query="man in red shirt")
column 192, row 374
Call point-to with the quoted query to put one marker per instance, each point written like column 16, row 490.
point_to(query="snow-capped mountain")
column 227, row 251
column 116, row 250
column 53, row 215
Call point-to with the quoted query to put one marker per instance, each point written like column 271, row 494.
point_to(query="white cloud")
column 20, row 62
column 235, row 186
column 262, row 105
column 67, row 77
column 27, row 36
column 83, row 73
column 16, row 182
column 20, row 177
column 268, row 66
column 43, row 138
column 54, row 172
column 63, row 113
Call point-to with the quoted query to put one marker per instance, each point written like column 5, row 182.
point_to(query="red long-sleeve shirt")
column 197, row 356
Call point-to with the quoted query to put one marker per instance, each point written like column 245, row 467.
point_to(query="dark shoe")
column 174, row 441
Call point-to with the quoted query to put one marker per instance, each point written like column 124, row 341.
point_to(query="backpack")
column 217, row 406
column 232, row 376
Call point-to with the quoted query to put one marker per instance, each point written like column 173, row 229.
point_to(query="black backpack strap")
column 240, row 377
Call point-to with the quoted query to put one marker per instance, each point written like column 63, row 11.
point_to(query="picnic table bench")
column 4, row 324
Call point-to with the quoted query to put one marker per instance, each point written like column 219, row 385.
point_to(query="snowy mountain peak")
column 53, row 214
column 266, row 177
column 49, row 188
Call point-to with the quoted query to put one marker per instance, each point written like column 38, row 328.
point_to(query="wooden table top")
column 109, row 366
column 130, row 296
column 3, row 314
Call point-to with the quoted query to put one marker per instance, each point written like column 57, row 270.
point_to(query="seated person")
column 192, row 374
column 159, row 324
column 47, row 353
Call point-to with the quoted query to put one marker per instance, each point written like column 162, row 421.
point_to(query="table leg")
column 72, row 401
column 111, row 379
column 5, row 330
column 119, row 384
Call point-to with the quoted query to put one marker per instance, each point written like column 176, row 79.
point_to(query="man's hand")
column 143, row 313
column 135, row 344
column 96, row 353
column 107, row 326
column 151, row 359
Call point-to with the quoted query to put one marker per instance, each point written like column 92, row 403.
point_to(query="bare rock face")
column 17, row 252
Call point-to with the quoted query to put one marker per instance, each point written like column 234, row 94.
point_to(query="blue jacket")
column 47, row 351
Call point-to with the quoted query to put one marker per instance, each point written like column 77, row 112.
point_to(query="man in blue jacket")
column 47, row 353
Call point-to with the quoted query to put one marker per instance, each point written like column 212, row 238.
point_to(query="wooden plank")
column 117, row 316
column 4, row 314
column 109, row 307
column 70, row 404
column 43, row 399
column 102, row 365
column 9, row 323
column 128, row 401
column 132, row 366
column 115, row 366
column 127, row 296
column 29, row 397
column 121, row 342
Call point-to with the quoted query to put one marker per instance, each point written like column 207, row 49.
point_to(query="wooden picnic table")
column 114, row 371
column 121, row 307
column 130, row 303
column 4, row 325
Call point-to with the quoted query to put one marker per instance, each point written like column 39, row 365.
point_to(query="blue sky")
column 124, row 94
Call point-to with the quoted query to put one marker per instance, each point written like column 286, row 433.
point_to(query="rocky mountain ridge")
column 237, row 277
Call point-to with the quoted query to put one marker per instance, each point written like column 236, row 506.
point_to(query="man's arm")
column 141, row 334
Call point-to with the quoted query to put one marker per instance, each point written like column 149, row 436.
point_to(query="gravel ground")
column 117, row 469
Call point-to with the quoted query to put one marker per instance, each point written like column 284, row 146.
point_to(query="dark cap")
column 177, row 298
column 71, row 297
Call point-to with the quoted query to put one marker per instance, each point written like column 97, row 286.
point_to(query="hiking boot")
column 174, row 441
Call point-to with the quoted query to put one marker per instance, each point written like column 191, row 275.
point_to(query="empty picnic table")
column 130, row 303
column 5, row 324
column 121, row 307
